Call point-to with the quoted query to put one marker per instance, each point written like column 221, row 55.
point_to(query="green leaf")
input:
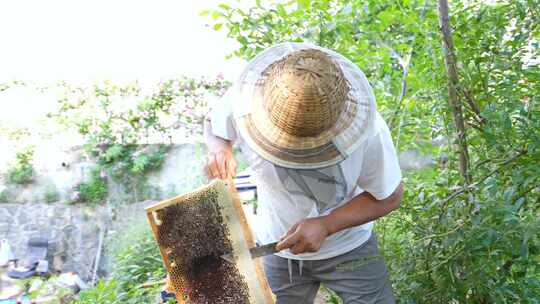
column 204, row 13
column 215, row 15
column 224, row 6
column 386, row 17
column 524, row 248
column 281, row 10
column 303, row 4
column 218, row 26
column 518, row 203
column 243, row 40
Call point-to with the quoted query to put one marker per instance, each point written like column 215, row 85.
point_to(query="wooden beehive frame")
column 241, row 239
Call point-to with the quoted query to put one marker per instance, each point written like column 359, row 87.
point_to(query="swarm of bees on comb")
column 192, row 232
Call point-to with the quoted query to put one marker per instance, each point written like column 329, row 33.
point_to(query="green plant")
column 94, row 190
column 118, row 124
column 127, row 165
column 493, row 245
column 51, row 194
column 22, row 171
column 136, row 260
column 4, row 196
column 467, row 230
column 124, row 161
column 330, row 296
column 105, row 292
column 136, row 263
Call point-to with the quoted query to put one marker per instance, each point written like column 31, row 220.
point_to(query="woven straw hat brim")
column 328, row 147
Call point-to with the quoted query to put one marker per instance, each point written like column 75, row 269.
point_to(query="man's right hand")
column 220, row 164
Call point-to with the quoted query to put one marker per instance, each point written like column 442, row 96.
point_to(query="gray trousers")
column 358, row 276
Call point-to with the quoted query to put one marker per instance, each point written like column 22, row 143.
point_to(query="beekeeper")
column 324, row 164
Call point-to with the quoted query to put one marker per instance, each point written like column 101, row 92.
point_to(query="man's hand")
column 309, row 234
column 305, row 236
column 220, row 164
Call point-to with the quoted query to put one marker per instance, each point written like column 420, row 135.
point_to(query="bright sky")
column 87, row 41
column 120, row 40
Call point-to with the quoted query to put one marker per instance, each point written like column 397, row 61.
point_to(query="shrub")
column 119, row 123
column 462, row 253
column 4, row 196
column 22, row 171
column 105, row 292
column 127, row 161
column 136, row 260
column 467, row 231
column 95, row 189
column 51, row 194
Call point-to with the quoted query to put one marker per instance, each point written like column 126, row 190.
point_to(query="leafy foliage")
column 108, row 114
column 103, row 292
column 331, row 296
column 131, row 159
column 127, row 129
column 449, row 242
column 136, row 261
column 4, row 196
column 94, row 190
column 51, row 194
column 22, row 171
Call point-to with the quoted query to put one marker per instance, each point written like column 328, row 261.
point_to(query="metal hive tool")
column 192, row 231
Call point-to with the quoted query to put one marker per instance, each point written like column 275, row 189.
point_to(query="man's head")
column 304, row 93
column 302, row 106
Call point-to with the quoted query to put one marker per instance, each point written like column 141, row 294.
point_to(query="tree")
column 453, row 83
column 467, row 230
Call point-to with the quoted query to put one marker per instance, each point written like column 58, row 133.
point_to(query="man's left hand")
column 304, row 236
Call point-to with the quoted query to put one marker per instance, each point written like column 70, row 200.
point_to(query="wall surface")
column 74, row 230
column 61, row 170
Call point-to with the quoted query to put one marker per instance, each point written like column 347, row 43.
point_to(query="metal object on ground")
column 193, row 231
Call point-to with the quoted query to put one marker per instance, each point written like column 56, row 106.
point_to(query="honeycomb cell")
column 192, row 235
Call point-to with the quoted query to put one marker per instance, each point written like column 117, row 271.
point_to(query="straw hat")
column 302, row 106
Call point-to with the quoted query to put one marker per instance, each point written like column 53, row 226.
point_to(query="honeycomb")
column 192, row 232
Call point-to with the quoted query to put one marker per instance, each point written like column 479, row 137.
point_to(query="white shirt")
column 287, row 196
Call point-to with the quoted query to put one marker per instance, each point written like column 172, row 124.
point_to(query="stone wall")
column 60, row 171
column 72, row 231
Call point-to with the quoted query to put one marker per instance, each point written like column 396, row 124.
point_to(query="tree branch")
column 453, row 80
column 404, row 62
column 399, row 101
column 472, row 103
column 481, row 180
